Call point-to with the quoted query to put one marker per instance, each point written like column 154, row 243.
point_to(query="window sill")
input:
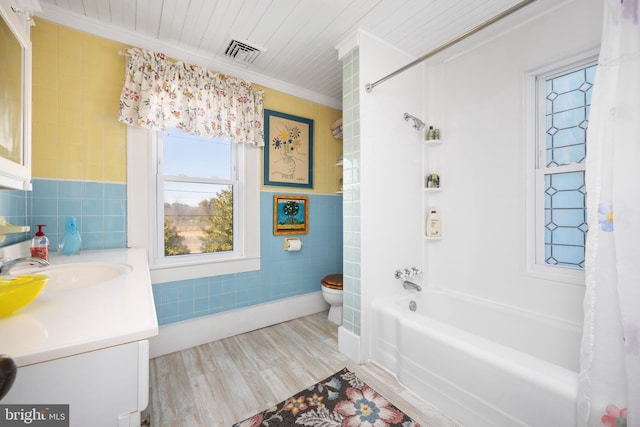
column 557, row 274
column 186, row 271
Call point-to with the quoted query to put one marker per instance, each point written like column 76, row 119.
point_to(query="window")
column 563, row 99
column 197, row 189
column 194, row 203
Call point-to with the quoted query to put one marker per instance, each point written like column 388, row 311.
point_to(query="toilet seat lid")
column 333, row 281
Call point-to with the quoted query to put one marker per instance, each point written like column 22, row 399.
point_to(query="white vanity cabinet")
column 84, row 342
column 107, row 387
column 15, row 93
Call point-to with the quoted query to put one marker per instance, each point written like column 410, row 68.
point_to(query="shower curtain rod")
column 369, row 86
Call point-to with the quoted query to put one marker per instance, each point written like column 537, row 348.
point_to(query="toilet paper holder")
column 292, row 244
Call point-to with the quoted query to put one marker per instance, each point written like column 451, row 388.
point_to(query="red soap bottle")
column 40, row 244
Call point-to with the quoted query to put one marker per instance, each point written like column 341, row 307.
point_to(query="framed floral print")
column 290, row 214
column 288, row 151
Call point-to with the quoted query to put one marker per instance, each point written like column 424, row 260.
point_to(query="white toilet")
column 332, row 294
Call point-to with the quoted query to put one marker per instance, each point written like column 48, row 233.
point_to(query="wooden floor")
column 225, row 381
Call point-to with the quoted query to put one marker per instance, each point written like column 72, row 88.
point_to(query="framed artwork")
column 288, row 151
column 290, row 214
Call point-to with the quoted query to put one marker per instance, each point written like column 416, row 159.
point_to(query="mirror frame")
column 18, row 175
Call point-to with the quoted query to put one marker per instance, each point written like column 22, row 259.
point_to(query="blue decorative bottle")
column 71, row 241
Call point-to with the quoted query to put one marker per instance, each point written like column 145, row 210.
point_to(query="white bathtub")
column 484, row 364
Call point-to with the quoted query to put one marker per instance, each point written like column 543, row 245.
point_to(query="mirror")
column 15, row 100
column 11, row 110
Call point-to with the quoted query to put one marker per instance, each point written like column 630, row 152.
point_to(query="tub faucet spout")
column 410, row 285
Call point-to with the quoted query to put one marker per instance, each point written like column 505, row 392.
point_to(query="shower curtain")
column 609, row 388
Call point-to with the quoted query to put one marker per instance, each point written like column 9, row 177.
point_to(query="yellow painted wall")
column 326, row 149
column 77, row 80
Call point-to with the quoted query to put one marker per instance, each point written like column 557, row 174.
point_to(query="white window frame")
column 144, row 215
column 237, row 166
column 535, row 146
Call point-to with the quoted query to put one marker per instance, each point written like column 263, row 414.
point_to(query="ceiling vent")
column 243, row 51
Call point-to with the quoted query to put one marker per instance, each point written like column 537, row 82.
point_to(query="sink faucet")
column 7, row 265
column 410, row 285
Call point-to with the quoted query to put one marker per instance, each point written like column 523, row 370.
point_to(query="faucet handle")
column 403, row 274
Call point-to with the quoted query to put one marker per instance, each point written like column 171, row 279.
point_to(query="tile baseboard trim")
column 193, row 332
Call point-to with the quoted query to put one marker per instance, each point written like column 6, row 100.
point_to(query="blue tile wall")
column 282, row 274
column 100, row 211
column 351, row 314
column 13, row 206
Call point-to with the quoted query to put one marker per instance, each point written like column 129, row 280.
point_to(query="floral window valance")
column 161, row 94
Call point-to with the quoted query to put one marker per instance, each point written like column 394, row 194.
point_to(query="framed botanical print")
column 288, row 151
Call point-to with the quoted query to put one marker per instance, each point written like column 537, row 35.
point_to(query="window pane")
column 188, row 155
column 565, row 219
column 568, row 98
column 564, row 256
column 198, row 218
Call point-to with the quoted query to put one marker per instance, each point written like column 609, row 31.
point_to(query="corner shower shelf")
column 339, row 164
column 429, row 192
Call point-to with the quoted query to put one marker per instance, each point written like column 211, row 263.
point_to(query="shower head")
column 417, row 123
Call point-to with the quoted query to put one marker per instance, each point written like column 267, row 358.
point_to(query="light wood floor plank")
column 225, row 381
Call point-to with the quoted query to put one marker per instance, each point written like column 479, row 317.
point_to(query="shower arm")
column 369, row 86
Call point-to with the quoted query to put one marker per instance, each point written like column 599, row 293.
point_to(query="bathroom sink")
column 76, row 275
column 19, row 291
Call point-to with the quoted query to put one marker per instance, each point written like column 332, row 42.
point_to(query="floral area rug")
column 340, row 400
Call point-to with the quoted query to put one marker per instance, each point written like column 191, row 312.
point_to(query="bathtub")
column 483, row 363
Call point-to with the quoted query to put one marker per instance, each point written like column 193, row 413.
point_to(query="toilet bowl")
column 332, row 294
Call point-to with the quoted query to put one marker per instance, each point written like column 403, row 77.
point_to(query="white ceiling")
column 300, row 36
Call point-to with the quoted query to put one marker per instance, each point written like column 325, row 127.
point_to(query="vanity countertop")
column 66, row 322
